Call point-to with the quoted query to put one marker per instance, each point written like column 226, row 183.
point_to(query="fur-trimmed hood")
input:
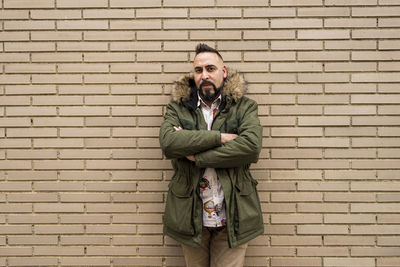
column 234, row 85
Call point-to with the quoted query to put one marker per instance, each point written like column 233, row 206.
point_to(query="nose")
column 204, row 75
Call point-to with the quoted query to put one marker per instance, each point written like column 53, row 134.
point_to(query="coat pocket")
column 179, row 208
column 248, row 215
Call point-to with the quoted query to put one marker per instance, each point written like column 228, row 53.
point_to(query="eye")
column 211, row 69
column 198, row 70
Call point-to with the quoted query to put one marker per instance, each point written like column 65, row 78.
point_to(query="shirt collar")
column 215, row 104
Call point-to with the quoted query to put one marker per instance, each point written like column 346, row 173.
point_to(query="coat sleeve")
column 244, row 149
column 178, row 144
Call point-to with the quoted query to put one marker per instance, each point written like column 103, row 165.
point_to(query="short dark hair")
column 201, row 48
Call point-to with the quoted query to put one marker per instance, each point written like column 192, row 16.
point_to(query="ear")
column 225, row 72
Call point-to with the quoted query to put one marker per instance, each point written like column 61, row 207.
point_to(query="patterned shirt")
column 210, row 188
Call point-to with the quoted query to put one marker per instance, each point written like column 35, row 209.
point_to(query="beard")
column 208, row 95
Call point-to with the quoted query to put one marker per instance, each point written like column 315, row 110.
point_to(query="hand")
column 191, row 158
column 226, row 137
column 177, row 128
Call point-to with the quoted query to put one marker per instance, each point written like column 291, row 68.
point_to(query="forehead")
column 206, row 58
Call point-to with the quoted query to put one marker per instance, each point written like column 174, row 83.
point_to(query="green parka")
column 237, row 114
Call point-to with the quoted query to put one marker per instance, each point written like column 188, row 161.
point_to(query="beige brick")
column 87, row 240
column 375, row 164
column 375, row 186
column 350, row 153
column 84, row 111
column 296, row 67
column 15, row 143
column 324, row 121
column 108, row 78
column 392, row 262
column 295, row 88
column 85, row 154
column 14, row 101
column 86, row 261
column 110, row 208
column 36, row 197
column 162, row 35
column 85, row 219
column 15, row 229
column 135, row 46
column 29, row 89
column 372, row 77
column 349, row 262
column 58, row 251
column 14, row 57
column 387, row 197
column 14, row 14
column 28, row 4
column 84, row 197
column 55, row 14
column 29, row 25
column 296, row 241
column 382, row 252
column 381, row 120
column 296, row 175
column 303, row 261
column 31, row 175
column 32, row 261
column 324, row 12
column 58, row 186
column 388, row 153
column 29, row 47
column 14, row 36
column 136, row 24
column 388, row 241
column 83, row 89
column 32, row 240
column 322, row 229
column 312, row 252
column 150, row 261
column 172, row 24
column 350, row 67
column 58, row 143
column 39, row 207
column 269, row 34
column 242, row 24
column 350, row 23
column 378, row 208
column 388, row 44
column 56, row 36
column 111, row 143
column 296, row 2
column 296, row 219
column 32, row 219
column 376, row 34
column 323, row 56
column 81, row 4
column 32, row 132
column 296, row 153
column 111, row 251
column 350, row 44
column 15, row 208
column 137, row 218
column 108, row 36
column 14, row 79
column 336, row 240
column 268, row 12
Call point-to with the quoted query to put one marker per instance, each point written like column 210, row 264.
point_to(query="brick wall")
column 83, row 86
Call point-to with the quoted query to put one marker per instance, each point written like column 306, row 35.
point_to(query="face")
column 209, row 74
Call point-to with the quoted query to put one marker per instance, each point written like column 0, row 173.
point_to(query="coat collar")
column 184, row 89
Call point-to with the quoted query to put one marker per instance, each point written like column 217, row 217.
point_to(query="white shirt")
column 210, row 188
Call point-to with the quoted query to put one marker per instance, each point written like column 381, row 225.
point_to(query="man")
column 212, row 133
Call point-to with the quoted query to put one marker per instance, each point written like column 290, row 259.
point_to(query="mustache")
column 207, row 83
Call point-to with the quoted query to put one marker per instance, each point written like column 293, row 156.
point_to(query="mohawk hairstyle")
column 201, row 48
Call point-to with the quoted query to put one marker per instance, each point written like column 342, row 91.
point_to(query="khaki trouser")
column 214, row 251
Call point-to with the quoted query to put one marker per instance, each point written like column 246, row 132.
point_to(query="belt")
column 215, row 229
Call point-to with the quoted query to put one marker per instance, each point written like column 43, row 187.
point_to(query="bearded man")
column 211, row 133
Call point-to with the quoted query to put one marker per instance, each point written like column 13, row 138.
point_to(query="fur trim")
column 235, row 85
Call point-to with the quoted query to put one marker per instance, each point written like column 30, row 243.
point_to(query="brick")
column 388, row 44
column 138, row 3
column 378, row 208
column 375, row 164
column 14, row 101
column 28, row 4
column 350, row 2
column 32, row 132
column 375, row 186
column 312, row 252
column 39, row 207
column 87, row 240
column 55, row 14
column 392, row 262
column 388, row 153
column 350, row 23
column 56, row 36
column 388, row 197
column 14, row 14
column 58, row 251
column 137, row 218
column 324, row 12
column 296, row 67
column 376, row 34
column 15, row 251
column 378, row 252
column 29, row 25
column 85, row 154
column 296, row 3
column 92, row 261
column 31, row 175
column 29, row 47
column 135, row 46
column 268, row 12
column 383, row 120
column 322, row 229
column 15, row 229
column 29, row 89
column 162, row 35
column 332, row 240
column 372, row 77
column 15, row 208
column 58, row 143
column 32, row 261
column 111, row 251
column 269, row 34
column 297, row 241
column 298, row 153
column 13, row 36
column 388, row 241
column 296, row 219
column 136, row 24
column 57, row 186
column 148, row 261
column 350, row 44
column 110, row 35
column 303, row 261
column 32, row 240
column 85, row 219
column 14, row 79
column 350, row 67
column 81, row 4
column 349, row 261
column 110, row 208
column 37, row 197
